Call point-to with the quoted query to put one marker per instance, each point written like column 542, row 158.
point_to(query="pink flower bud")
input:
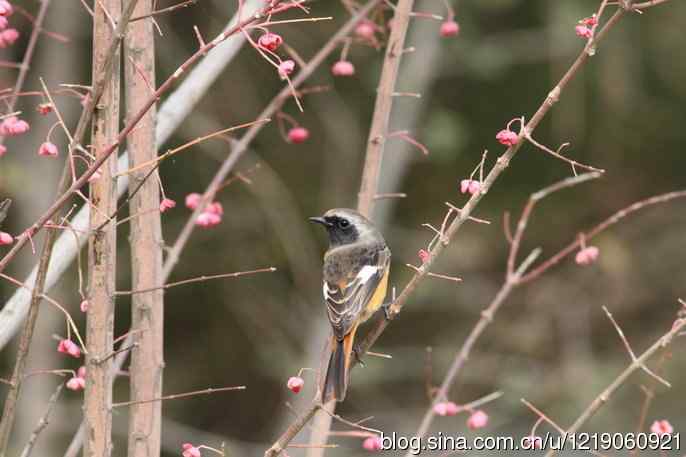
column 76, row 383
column 167, row 204
column 298, row 135
column 583, row 31
column 190, row 451
column 5, row 239
column 286, row 68
column 372, row 444
column 365, row 29
column 343, row 68
column 662, row 427
column 6, row 8
column 424, row 255
column 8, row 37
column 193, row 200
column 13, row 126
column 532, row 442
column 478, row 419
column 507, row 137
column 295, row 384
column 449, row 28
column 44, row 108
column 81, row 372
column 69, row 347
column 3, row 149
column 48, row 149
column 270, row 41
column 587, row 255
column 215, row 208
column 446, row 408
column 84, row 306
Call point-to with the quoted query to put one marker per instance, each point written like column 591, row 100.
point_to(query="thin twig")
column 43, row 422
column 207, row 391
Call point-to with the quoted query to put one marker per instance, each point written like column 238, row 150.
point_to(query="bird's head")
column 345, row 226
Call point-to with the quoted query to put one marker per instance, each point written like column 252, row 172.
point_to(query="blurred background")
column 551, row 343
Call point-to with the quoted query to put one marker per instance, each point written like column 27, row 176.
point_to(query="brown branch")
column 637, row 364
column 198, row 279
column 607, row 223
column 207, row 391
column 168, row 9
column 43, row 422
column 147, row 310
column 102, row 246
column 382, row 109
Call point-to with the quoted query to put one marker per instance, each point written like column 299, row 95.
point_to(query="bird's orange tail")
column 336, row 379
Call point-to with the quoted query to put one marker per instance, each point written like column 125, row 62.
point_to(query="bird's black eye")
column 343, row 223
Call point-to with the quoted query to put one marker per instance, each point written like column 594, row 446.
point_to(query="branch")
column 382, row 109
column 207, row 391
column 170, row 116
column 43, row 422
column 637, row 364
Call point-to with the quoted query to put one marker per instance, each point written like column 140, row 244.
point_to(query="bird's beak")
column 321, row 220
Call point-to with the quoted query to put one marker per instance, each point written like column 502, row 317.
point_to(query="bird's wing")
column 347, row 297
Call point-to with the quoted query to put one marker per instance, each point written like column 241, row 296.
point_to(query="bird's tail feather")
column 336, row 379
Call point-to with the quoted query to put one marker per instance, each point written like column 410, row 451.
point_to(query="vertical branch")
column 382, row 108
column 102, row 243
column 9, row 409
column 147, row 311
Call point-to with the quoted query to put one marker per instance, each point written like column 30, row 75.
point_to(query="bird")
column 355, row 279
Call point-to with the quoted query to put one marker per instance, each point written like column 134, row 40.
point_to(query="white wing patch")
column 367, row 272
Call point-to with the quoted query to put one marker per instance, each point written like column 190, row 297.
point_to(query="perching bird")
column 356, row 267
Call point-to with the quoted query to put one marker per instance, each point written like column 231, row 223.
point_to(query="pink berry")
column 365, row 29
column 190, row 451
column 583, row 31
column 295, row 384
column 85, row 304
column 286, row 68
column 446, row 408
column 8, row 37
column 69, row 347
column 167, row 204
column 590, row 21
column 298, row 135
column 270, row 41
column 449, row 28
column 44, row 108
column 5, row 239
column 81, row 373
column 424, row 255
column 3, row 148
column 215, row 208
column 372, row 444
column 343, row 68
column 3, row 22
column 470, row 186
column 48, row 149
column 662, row 427
column 193, row 200
column 507, row 137
column 76, row 383
column 6, row 8
column 478, row 419
column 587, row 255
column 207, row 220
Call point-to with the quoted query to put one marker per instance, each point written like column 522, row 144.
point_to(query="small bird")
column 356, row 268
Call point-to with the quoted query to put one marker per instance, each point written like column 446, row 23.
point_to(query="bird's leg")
column 357, row 351
column 387, row 310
